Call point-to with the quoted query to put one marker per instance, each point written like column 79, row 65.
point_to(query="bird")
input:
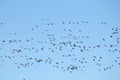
column 61, row 48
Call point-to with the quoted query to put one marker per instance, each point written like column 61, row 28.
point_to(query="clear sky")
column 34, row 30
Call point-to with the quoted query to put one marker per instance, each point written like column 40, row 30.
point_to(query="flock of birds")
column 63, row 48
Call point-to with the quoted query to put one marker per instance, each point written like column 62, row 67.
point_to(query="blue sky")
column 19, row 17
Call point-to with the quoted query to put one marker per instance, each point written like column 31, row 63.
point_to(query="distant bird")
column 65, row 47
column 1, row 24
